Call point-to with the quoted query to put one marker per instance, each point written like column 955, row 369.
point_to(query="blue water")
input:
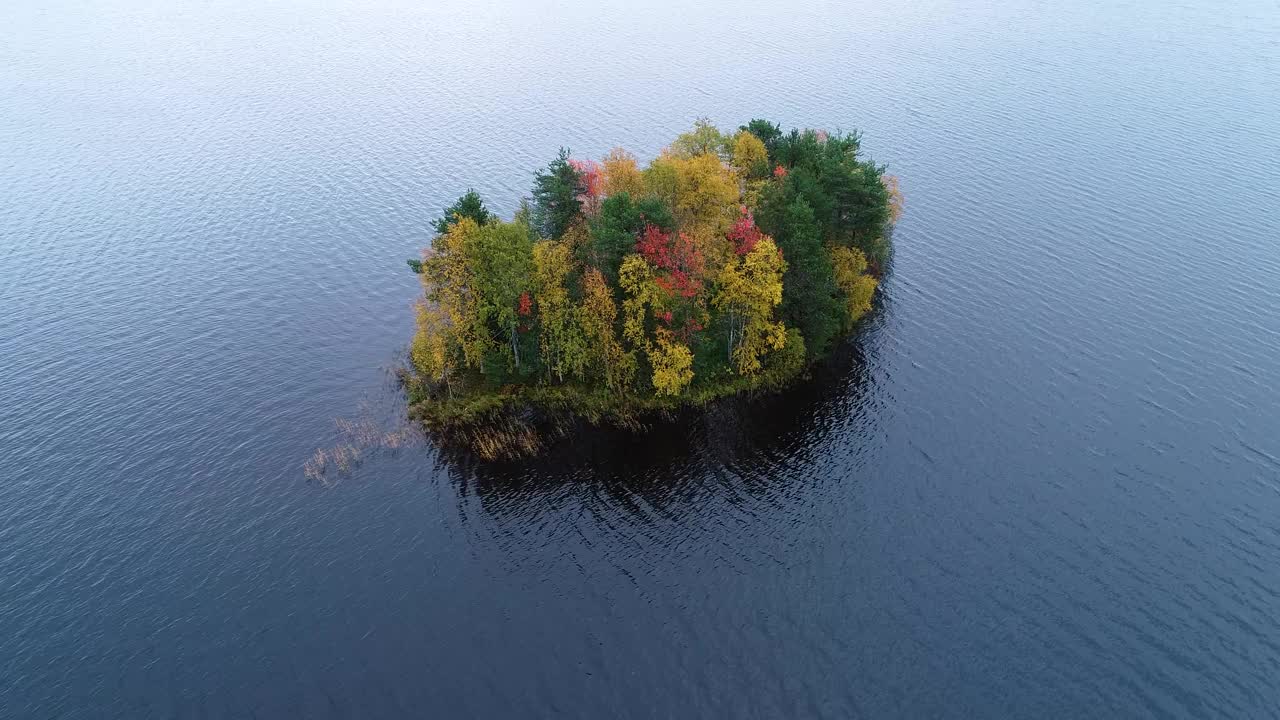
column 1045, row 482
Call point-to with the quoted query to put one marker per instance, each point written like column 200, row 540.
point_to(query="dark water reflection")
column 755, row 447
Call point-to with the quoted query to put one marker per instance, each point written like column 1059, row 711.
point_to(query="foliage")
column 563, row 343
column 725, row 265
column 750, row 156
column 672, row 364
column 744, row 234
column 703, row 139
column 590, row 184
column 767, row 132
column 809, row 301
column 749, row 292
column 896, row 202
column 450, row 281
column 468, row 206
column 859, row 288
column 501, row 255
column 621, row 174
column 556, row 196
column 430, row 349
column 597, row 317
column 615, row 229
column 706, row 191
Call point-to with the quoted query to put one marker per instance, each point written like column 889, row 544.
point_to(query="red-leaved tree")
column 591, row 183
column 744, row 232
column 677, row 257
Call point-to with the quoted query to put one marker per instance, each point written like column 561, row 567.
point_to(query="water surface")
column 1045, row 482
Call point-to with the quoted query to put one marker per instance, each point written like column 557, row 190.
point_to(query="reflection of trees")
column 738, row 445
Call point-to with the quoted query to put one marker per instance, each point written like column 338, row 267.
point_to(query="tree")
column 621, row 175
column 660, row 180
column 597, row 316
column 749, row 291
column 750, row 156
column 564, row 349
column 430, row 351
column 744, row 234
column 556, row 197
column 590, row 183
column 703, row 139
column 617, row 226
column 706, row 192
column 809, row 290
column 768, row 132
column 676, row 257
column 501, row 257
column 468, row 206
column 643, row 298
column 896, row 201
column 449, row 281
column 859, row 289
column 672, row 364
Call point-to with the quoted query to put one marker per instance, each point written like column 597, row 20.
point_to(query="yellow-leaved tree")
column 431, row 343
column 564, row 347
column 672, row 361
column 635, row 277
column 750, row 156
column 672, row 364
column 621, row 174
column 749, row 291
column 450, row 283
column 850, row 266
column 597, row 316
column 706, row 192
column 660, row 180
column 703, row 139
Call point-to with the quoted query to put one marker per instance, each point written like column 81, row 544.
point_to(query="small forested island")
column 727, row 265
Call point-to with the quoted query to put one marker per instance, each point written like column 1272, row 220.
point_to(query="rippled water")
column 1044, row 483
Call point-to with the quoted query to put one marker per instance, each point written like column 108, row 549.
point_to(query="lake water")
column 1045, row 482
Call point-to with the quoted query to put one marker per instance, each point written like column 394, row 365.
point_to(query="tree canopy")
column 726, row 264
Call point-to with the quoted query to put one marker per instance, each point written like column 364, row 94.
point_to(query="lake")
column 1043, row 482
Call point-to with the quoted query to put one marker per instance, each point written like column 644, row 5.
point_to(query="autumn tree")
column 621, row 174
column 706, row 191
column 850, row 273
column 672, row 363
column 676, row 257
column 896, row 201
column 767, row 132
column 749, row 291
column 468, row 206
column 643, row 300
column 703, row 139
column 597, row 316
column 450, row 282
column 750, row 156
column 590, row 184
column 500, row 256
column 431, row 351
column 564, row 347
column 661, row 181
column 744, row 234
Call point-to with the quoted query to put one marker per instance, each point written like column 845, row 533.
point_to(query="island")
column 728, row 265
